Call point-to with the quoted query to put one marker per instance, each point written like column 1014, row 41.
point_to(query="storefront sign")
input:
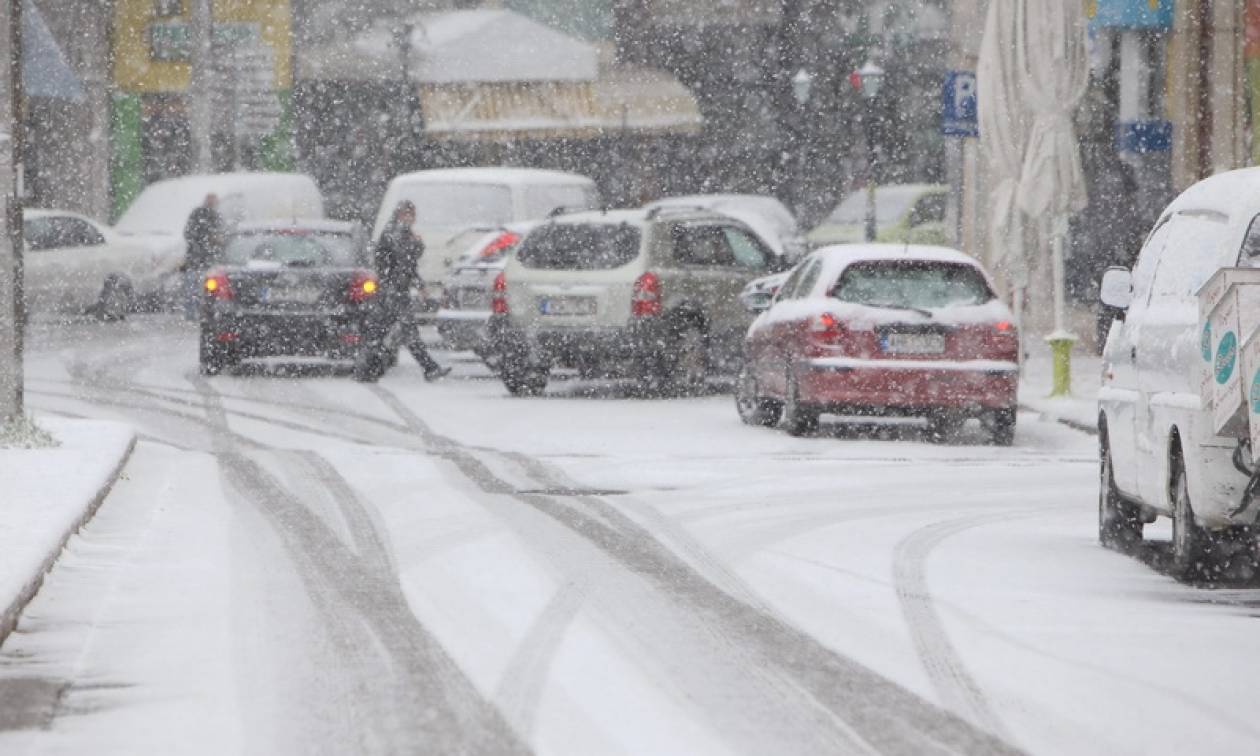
column 1130, row 14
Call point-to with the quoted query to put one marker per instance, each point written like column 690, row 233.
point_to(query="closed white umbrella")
column 1005, row 123
column 1052, row 63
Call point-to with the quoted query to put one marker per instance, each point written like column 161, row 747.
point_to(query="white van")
column 158, row 215
column 1160, row 455
column 452, row 200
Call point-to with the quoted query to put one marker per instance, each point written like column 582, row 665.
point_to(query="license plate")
column 473, row 299
column 567, row 306
column 290, row 295
column 914, row 343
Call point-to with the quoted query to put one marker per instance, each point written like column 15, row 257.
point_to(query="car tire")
column 686, row 366
column 1001, row 426
column 1119, row 522
column 798, row 419
column 754, row 409
column 116, row 300
column 525, row 380
column 214, row 357
column 944, row 427
column 1192, row 554
column 369, row 365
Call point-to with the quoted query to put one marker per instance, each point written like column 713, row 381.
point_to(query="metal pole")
column 200, row 111
column 11, row 305
column 869, row 129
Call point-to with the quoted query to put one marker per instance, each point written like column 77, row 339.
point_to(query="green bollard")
column 1061, row 351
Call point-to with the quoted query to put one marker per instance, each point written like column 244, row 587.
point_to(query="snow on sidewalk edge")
column 12, row 606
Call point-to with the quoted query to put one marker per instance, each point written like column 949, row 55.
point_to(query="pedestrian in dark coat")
column 398, row 253
column 204, row 237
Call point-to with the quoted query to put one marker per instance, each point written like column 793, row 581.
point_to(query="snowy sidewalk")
column 1080, row 410
column 46, row 495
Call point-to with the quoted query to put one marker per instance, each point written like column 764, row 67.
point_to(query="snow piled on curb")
column 46, row 494
column 1080, row 410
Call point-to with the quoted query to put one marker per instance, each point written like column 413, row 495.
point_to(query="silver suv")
column 647, row 294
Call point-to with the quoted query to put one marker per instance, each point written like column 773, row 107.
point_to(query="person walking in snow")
column 398, row 254
column 204, row 237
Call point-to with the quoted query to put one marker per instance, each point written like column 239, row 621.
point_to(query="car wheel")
column 1119, row 522
column 753, row 408
column 215, row 357
column 369, row 365
column 687, row 365
column 525, row 380
column 798, row 419
column 1001, row 426
column 1191, row 544
column 115, row 301
column 945, row 427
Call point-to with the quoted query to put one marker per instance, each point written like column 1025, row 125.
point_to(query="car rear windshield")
column 563, row 246
column 916, row 284
column 297, row 250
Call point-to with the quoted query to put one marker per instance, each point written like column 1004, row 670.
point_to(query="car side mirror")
column 1116, row 290
column 758, row 302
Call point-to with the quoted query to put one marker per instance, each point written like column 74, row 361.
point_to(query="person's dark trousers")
column 396, row 310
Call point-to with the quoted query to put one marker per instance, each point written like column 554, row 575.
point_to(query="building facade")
column 252, row 54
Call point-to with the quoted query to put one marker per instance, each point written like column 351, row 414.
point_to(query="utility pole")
column 200, row 115
column 11, row 310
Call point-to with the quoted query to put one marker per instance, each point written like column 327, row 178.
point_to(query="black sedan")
column 294, row 289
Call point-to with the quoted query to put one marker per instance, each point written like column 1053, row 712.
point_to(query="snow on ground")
column 47, row 491
column 301, row 563
column 1081, row 408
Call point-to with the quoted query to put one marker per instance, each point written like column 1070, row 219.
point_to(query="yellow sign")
column 151, row 51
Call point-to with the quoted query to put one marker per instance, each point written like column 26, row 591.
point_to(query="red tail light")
column 647, row 302
column 501, row 244
column 991, row 341
column 828, row 330
column 363, row 287
column 498, row 301
column 217, row 285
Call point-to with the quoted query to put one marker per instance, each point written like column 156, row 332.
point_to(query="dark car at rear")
column 303, row 289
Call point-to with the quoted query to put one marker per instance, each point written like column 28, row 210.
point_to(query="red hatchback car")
column 884, row 331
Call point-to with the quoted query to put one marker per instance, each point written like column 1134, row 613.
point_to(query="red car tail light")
column 498, row 301
column 363, row 287
column 647, row 301
column 217, row 285
column 499, row 245
column 827, row 330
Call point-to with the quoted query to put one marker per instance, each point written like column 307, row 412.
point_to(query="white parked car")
column 75, row 264
column 470, row 287
column 157, row 217
column 449, row 201
column 1160, row 454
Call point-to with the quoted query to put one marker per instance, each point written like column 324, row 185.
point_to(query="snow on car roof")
column 1234, row 193
column 301, row 224
column 838, row 257
column 488, row 175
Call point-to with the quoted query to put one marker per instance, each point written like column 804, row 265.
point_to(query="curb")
column 1082, row 427
column 10, row 614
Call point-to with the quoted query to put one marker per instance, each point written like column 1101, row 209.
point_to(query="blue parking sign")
column 960, row 113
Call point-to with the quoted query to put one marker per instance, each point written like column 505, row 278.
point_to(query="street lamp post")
column 870, row 79
column 802, row 85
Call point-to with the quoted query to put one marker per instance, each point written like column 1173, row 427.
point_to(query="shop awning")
column 45, row 72
column 629, row 101
column 538, row 84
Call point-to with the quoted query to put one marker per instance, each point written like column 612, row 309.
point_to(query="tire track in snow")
column 520, row 688
column 868, row 713
column 955, row 686
column 429, row 705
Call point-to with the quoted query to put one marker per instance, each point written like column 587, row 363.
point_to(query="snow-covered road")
column 296, row 563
